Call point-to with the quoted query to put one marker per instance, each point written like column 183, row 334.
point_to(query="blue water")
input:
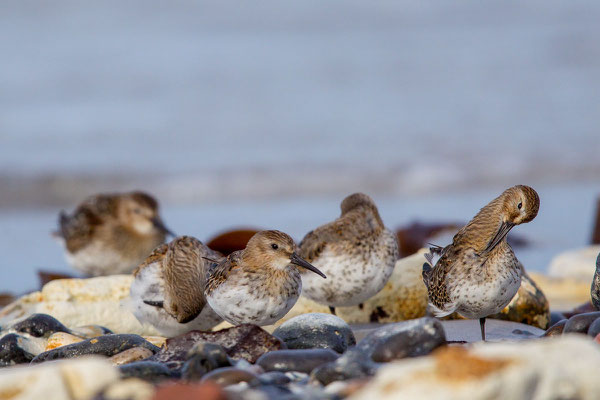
column 267, row 114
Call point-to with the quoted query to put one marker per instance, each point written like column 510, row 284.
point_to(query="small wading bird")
column 111, row 233
column 168, row 288
column 356, row 252
column 478, row 274
column 259, row 284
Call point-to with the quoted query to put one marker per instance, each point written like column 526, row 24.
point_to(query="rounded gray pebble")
column 316, row 331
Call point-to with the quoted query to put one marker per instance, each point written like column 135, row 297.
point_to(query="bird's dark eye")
column 274, row 246
column 520, row 206
column 137, row 210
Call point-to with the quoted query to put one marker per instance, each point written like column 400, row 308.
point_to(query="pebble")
column 274, row 378
column 91, row 331
column 12, row 350
column 304, row 360
column 229, row 376
column 393, row 341
column 39, row 325
column 580, row 323
column 594, row 328
column 556, row 329
column 130, row 355
column 316, row 330
column 107, row 345
column 204, row 357
column 149, row 371
column 59, row 339
column 245, row 341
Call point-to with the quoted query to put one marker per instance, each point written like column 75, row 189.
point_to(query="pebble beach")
column 240, row 118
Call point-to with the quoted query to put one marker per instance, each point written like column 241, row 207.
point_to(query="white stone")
column 75, row 379
column 578, row 264
column 78, row 302
column 563, row 367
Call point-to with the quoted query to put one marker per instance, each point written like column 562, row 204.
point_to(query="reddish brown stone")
column 189, row 391
column 230, row 241
column 244, row 341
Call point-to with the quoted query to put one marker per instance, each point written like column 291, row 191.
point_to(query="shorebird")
column 259, row 284
column 111, row 233
column 355, row 251
column 168, row 288
column 478, row 274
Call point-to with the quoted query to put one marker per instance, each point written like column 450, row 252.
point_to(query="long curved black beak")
column 505, row 227
column 295, row 259
column 157, row 222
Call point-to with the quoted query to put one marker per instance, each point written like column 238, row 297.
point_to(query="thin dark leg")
column 482, row 325
column 332, row 310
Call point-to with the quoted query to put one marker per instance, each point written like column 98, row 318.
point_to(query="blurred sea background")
column 267, row 114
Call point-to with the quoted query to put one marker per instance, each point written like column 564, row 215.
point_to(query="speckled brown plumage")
column 478, row 274
column 258, row 284
column 355, row 251
column 173, row 278
column 111, row 233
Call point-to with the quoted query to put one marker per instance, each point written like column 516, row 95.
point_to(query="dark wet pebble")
column 556, row 316
column 580, row 323
column 556, row 329
column 204, row 357
column 304, row 360
column 594, row 328
column 391, row 342
column 274, row 378
column 147, row 370
column 246, row 342
column 12, row 351
column 229, row 376
column 316, row 330
column 107, row 345
column 39, row 325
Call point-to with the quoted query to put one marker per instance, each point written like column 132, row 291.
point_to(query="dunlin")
column 356, row 252
column 111, row 233
column 478, row 274
column 168, row 289
column 259, row 284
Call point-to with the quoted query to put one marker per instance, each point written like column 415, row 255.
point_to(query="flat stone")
column 580, row 323
column 246, row 342
column 595, row 289
column 563, row 367
column 130, row 355
column 316, row 330
column 59, row 339
column 302, row 360
column 495, row 330
column 149, row 371
column 77, row 379
column 39, row 325
column 107, row 345
column 91, row 331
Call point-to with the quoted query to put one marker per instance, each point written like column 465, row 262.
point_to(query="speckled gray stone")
column 316, row 330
